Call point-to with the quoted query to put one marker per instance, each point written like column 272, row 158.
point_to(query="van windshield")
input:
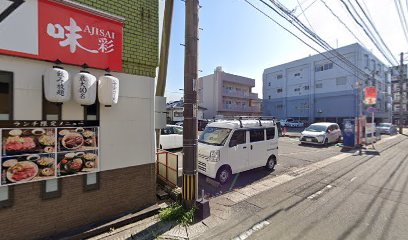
column 214, row 136
column 316, row 128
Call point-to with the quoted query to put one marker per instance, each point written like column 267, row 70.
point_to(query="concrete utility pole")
column 164, row 55
column 401, row 75
column 190, row 105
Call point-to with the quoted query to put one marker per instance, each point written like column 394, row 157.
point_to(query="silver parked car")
column 321, row 133
column 386, row 128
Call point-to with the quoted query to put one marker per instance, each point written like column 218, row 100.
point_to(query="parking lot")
column 292, row 155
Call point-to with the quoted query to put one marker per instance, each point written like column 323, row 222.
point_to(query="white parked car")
column 286, row 122
column 229, row 147
column 321, row 133
column 295, row 124
column 171, row 137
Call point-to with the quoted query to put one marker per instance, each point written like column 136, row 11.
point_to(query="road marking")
column 354, row 178
column 318, row 193
column 252, row 230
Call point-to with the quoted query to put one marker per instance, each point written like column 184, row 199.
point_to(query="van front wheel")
column 270, row 165
column 224, row 174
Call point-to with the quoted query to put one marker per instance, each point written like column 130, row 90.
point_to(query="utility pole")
column 190, row 105
column 401, row 75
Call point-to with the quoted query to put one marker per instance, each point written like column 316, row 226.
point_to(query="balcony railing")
column 233, row 93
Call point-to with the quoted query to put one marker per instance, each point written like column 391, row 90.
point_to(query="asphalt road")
column 364, row 196
column 291, row 155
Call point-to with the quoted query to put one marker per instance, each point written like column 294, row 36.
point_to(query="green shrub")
column 176, row 212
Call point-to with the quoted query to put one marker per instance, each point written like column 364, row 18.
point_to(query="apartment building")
column 227, row 94
column 395, row 91
column 315, row 88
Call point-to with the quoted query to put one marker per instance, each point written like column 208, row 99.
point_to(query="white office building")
column 316, row 88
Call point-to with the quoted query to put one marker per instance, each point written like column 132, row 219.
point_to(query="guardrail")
column 167, row 167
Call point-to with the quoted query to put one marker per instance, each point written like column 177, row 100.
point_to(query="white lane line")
column 354, row 178
column 316, row 194
column 252, row 230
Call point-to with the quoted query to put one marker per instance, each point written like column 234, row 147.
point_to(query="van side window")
column 167, row 131
column 257, row 135
column 239, row 137
column 270, row 133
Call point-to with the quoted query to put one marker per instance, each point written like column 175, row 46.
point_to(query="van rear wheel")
column 224, row 175
column 270, row 164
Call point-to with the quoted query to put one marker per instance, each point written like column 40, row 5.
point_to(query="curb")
column 102, row 227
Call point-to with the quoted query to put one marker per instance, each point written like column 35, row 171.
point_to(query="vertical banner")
column 370, row 97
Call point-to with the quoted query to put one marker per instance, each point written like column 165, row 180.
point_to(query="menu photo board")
column 40, row 150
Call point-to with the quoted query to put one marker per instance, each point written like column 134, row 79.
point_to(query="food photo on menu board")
column 70, row 163
column 26, row 141
column 77, row 139
column 26, row 168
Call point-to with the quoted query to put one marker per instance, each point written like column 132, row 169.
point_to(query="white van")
column 229, row 147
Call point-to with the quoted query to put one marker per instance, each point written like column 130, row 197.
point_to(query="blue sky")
column 244, row 42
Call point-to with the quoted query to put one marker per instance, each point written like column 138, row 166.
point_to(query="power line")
column 304, row 42
column 341, row 21
column 309, row 6
column 312, row 35
column 378, row 45
column 304, row 14
column 402, row 20
column 375, row 29
column 366, row 31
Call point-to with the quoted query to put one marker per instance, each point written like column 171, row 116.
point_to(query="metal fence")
column 167, row 167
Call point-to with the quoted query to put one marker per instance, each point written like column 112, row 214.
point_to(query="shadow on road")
column 212, row 188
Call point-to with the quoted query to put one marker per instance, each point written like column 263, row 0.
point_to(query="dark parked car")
column 386, row 128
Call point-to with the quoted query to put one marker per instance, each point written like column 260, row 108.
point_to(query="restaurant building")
column 77, row 83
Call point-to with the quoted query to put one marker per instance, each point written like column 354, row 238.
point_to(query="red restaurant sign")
column 48, row 30
column 370, row 96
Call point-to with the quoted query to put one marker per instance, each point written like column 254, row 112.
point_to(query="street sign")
column 370, row 97
column 371, row 109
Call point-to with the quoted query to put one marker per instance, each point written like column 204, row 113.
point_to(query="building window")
column 279, row 76
column 366, row 60
column 279, row 90
column 297, row 74
column 91, row 181
column 51, row 188
column 297, row 89
column 341, row 81
column 91, row 112
column 319, row 85
column 306, row 87
column 178, row 114
column 6, row 95
column 373, row 64
column 269, row 84
column 6, row 196
column 328, row 66
column 323, row 67
column 279, row 106
column 269, row 97
column 51, row 111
